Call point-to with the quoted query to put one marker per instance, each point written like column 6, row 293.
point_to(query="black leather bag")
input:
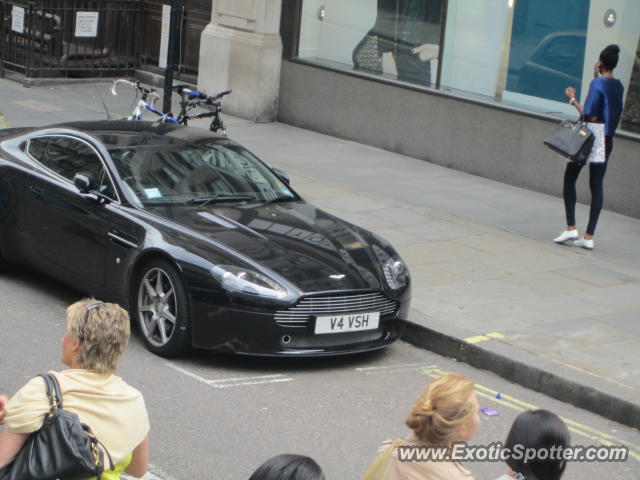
column 572, row 140
column 62, row 449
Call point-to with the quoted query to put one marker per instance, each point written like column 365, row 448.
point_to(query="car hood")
column 313, row 250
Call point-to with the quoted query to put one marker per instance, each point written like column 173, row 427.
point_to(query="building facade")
column 469, row 84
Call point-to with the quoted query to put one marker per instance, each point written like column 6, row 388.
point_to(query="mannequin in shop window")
column 406, row 32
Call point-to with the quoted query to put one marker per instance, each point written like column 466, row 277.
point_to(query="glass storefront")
column 523, row 53
column 631, row 113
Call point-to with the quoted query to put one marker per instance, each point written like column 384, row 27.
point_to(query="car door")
column 70, row 229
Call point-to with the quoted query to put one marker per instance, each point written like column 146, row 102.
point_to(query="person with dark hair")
column 603, row 105
column 538, row 429
column 288, row 466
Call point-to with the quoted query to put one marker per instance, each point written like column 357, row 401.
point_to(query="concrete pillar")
column 241, row 49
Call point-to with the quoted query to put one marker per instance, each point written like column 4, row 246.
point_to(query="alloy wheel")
column 157, row 307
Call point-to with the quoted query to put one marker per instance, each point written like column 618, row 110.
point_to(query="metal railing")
column 70, row 38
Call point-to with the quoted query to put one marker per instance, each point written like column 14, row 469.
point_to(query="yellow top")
column 114, row 410
column 119, row 468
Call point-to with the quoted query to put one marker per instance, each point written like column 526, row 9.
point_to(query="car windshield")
column 197, row 174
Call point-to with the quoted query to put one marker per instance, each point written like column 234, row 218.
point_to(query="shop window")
column 473, row 51
column 631, row 113
column 547, row 51
column 523, row 53
column 397, row 39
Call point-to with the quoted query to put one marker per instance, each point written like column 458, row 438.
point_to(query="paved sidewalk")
column 489, row 287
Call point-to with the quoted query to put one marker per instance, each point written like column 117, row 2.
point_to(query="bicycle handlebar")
column 145, row 91
column 220, row 94
column 184, row 90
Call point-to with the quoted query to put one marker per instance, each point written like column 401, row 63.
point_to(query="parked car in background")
column 556, row 63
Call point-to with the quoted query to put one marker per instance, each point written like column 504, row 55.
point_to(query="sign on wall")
column 17, row 19
column 164, row 36
column 87, row 24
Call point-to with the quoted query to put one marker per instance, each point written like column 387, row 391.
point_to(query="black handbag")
column 572, row 140
column 63, row 448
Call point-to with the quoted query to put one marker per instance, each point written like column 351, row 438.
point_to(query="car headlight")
column 244, row 280
column 395, row 272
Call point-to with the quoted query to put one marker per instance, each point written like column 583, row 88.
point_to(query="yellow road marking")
column 434, row 372
column 568, row 421
column 482, row 338
column 575, row 430
column 39, row 106
column 520, row 406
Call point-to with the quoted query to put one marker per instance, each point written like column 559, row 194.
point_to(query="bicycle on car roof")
column 190, row 99
column 146, row 99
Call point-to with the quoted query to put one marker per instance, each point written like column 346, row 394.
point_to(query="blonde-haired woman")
column 446, row 412
column 94, row 340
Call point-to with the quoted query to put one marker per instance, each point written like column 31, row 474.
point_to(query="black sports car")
column 204, row 244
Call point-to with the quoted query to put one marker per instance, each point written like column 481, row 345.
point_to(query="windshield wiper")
column 207, row 199
column 281, row 200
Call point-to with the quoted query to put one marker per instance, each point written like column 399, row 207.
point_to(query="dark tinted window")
column 67, row 156
column 182, row 173
column 38, row 148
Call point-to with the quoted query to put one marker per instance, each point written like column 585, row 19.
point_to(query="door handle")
column 37, row 190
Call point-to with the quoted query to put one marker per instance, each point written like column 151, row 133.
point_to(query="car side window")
column 38, row 147
column 67, row 156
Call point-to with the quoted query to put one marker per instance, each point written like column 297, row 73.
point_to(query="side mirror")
column 281, row 175
column 84, row 182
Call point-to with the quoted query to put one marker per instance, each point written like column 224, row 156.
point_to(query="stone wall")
column 241, row 50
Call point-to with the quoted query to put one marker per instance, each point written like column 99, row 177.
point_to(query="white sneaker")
column 566, row 236
column 584, row 243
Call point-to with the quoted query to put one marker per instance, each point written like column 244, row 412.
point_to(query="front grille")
column 300, row 314
column 332, row 340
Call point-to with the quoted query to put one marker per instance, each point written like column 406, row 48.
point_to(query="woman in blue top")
column 603, row 105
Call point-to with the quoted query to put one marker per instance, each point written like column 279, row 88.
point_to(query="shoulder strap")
column 53, row 391
column 111, row 467
column 377, row 469
column 56, row 388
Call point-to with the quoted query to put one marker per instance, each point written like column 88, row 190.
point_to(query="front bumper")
column 251, row 331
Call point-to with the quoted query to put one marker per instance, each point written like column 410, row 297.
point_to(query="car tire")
column 161, row 309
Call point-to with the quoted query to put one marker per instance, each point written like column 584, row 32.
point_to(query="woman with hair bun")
column 603, row 105
column 445, row 413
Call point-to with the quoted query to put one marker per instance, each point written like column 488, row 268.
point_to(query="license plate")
column 352, row 322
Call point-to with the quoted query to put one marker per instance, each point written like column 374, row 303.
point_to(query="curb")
column 528, row 376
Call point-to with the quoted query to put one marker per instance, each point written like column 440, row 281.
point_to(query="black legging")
column 596, row 179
